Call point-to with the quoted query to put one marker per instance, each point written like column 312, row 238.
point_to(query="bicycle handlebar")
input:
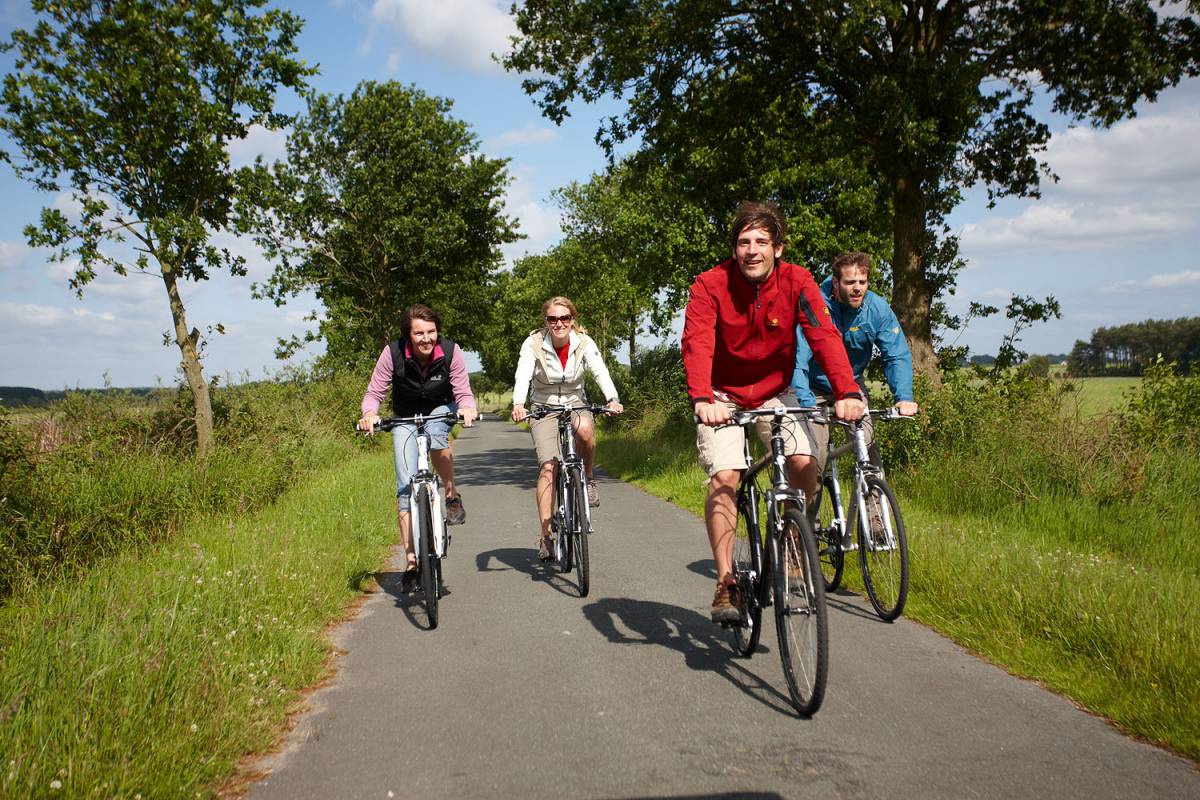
column 886, row 414
column 547, row 410
column 388, row 423
column 745, row 417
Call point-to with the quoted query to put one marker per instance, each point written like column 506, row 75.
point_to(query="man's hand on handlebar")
column 368, row 422
column 849, row 408
column 906, row 408
column 712, row 414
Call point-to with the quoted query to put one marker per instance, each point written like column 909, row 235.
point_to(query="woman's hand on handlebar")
column 614, row 406
column 519, row 413
column 368, row 422
column 468, row 416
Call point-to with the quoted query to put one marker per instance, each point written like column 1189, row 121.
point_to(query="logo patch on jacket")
column 773, row 322
column 854, row 329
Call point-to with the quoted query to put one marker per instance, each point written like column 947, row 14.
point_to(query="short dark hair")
column 418, row 311
column 851, row 258
column 751, row 214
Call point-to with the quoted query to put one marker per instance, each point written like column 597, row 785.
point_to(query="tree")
column 928, row 97
column 384, row 201
column 130, row 106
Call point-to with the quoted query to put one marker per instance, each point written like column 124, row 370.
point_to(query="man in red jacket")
column 739, row 349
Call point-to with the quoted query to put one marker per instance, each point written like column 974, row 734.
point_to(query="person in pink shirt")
column 427, row 374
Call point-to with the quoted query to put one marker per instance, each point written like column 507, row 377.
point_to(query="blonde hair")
column 566, row 303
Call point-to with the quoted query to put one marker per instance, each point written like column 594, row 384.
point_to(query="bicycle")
column 571, row 515
column 428, row 524
column 784, row 574
column 881, row 541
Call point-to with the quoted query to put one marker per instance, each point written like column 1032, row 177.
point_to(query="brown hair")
column 851, row 258
column 418, row 311
column 751, row 215
column 565, row 302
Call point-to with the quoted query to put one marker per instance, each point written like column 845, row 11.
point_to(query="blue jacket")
column 873, row 325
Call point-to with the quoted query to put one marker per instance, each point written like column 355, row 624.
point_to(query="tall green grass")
column 1057, row 543
column 154, row 672
column 94, row 475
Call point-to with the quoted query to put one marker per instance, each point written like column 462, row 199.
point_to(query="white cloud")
column 1164, row 280
column 1085, row 226
column 259, row 141
column 30, row 316
column 12, row 254
column 531, row 134
column 539, row 222
column 1145, row 154
column 463, row 33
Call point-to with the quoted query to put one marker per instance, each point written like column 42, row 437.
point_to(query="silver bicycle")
column 880, row 538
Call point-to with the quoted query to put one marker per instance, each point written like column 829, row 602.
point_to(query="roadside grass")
column 1093, row 597
column 152, row 673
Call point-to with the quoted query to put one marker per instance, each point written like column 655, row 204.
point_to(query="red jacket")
column 740, row 338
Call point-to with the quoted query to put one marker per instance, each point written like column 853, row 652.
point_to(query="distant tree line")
column 1129, row 349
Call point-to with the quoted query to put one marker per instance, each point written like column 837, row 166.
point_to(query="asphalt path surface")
column 527, row 690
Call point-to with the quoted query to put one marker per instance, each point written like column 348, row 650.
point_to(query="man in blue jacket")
column 866, row 322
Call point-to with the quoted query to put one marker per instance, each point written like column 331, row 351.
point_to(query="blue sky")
column 1116, row 240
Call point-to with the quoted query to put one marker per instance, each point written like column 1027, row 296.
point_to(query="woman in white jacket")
column 550, row 370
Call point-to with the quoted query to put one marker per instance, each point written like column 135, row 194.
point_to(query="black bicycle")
column 783, row 572
column 571, row 515
column 428, row 522
column 881, row 541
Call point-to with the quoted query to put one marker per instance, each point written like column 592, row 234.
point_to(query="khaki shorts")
column 545, row 434
column 819, row 434
column 724, row 448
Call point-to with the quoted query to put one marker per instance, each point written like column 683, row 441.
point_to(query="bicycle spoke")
column 800, row 616
column 883, row 550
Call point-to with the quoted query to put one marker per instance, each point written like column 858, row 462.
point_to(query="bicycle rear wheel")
column 829, row 539
column 430, row 571
column 800, row 617
column 747, row 571
column 883, row 550
column 579, row 534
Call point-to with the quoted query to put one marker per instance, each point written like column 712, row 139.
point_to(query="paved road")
column 526, row 690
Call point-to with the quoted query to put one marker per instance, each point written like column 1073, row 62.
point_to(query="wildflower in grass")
column 55, row 785
column 193, row 728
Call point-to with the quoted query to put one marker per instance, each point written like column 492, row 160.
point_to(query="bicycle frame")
column 426, row 477
column 863, row 467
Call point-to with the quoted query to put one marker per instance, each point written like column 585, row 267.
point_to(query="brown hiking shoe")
column 725, row 604
column 593, row 493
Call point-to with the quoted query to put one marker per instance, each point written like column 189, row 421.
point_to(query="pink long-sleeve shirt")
column 381, row 378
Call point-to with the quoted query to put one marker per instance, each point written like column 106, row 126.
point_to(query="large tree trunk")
column 911, row 294
column 187, row 341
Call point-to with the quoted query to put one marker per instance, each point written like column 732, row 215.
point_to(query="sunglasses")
column 564, row 319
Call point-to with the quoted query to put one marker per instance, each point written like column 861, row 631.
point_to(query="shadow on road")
column 391, row 582
column 704, row 645
column 525, row 560
column 705, row 567
column 513, row 466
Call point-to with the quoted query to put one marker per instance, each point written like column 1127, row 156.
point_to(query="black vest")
column 414, row 392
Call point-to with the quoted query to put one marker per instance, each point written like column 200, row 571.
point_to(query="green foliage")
column 384, row 201
column 97, row 474
column 654, row 391
column 130, row 106
column 878, row 113
column 1164, row 409
column 1129, row 349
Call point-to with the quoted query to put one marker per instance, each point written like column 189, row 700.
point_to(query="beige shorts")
column 545, row 434
column 724, row 448
column 818, row 434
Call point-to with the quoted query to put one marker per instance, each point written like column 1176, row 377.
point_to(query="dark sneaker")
column 410, row 581
column 545, row 546
column 593, row 493
column 725, row 604
column 455, row 513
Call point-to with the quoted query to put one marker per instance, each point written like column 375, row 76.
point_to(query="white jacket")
column 542, row 378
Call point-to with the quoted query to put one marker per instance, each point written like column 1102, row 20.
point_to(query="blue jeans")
column 404, row 449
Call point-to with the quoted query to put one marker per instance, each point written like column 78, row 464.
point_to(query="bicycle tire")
column 800, row 615
column 430, row 574
column 829, row 541
column 562, row 538
column 748, row 575
column 884, row 571
column 579, row 534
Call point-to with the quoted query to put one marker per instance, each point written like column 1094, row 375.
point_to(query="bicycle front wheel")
column 579, row 535
column 829, row 539
column 747, row 571
column 430, row 571
column 800, row 617
column 883, row 549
